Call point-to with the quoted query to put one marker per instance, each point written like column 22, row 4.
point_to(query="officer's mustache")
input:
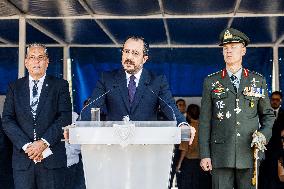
column 127, row 61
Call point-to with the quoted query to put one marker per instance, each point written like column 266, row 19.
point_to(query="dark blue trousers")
column 75, row 176
column 39, row 177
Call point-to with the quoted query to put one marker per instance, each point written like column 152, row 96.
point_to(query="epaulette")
column 254, row 72
column 215, row 73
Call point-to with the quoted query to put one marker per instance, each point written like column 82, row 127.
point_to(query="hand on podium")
column 66, row 131
column 191, row 133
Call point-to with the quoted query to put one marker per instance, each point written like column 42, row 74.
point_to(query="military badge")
column 228, row 115
column 220, row 104
column 237, row 109
column 217, row 88
column 220, row 116
column 254, row 92
column 253, row 82
column 251, row 104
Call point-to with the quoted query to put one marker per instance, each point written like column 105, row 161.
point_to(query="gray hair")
column 37, row 45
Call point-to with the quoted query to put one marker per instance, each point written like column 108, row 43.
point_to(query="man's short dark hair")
column 137, row 38
column 193, row 111
column 277, row 93
column 180, row 100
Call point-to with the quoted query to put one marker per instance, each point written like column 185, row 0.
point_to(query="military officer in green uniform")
column 234, row 105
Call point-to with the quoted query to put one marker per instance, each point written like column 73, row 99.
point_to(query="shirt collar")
column 238, row 74
column 40, row 80
column 137, row 75
column 277, row 109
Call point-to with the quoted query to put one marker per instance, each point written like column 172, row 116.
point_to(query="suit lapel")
column 226, row 82
column 122, row 84
column 43, row 94
column 25, row 98
column 245, row 80
column 143, row 82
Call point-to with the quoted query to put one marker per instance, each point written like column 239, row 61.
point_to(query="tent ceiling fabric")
column 168, row 23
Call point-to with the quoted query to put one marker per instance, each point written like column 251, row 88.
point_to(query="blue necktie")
column 234, row 81
column 131, row 88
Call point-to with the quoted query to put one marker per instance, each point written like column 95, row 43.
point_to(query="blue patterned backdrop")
column 185, row 69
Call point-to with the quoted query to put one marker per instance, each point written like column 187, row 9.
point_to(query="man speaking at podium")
column 135, row 91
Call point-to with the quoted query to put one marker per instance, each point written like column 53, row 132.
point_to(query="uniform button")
column 238, row 123
column 238, row 134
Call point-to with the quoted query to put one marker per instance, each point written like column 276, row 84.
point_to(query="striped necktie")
column 234, row 81
column 35, row 98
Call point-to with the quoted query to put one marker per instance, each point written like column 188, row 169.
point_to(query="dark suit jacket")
column 224, row 135
column 111, row 90
column 274, row 146
column 6, row 147
column 53, row 113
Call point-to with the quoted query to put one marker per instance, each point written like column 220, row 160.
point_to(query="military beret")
column 231, row 35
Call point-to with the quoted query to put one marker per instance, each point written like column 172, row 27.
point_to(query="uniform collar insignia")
column 224, row 72
column 246, row 73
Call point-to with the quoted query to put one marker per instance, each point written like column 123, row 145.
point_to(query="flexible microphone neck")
column 174, row 115
column 95, row 100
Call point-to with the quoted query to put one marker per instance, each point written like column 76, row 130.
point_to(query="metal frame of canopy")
column 26, row 18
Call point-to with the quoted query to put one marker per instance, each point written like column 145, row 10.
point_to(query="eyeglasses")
column 133, row 52
column 39, row 58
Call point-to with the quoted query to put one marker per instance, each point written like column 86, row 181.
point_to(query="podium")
column 126, row 155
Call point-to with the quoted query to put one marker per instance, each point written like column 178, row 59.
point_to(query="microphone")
column 174, row 115
column 95, row 100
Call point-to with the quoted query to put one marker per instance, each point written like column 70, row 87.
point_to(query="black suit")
column 6, row 176
column 268, row 176
column 53, row 113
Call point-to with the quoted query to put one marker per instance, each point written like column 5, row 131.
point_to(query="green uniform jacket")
column 228, row 119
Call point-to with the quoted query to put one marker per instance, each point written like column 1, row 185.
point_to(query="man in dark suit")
column 6, row 174
column 35, row 110
column 234, row 103
column 134, row 90
column 268, row 170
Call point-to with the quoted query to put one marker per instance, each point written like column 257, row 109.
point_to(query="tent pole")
column 22, row 46
column 67, row 74
column 275, row 69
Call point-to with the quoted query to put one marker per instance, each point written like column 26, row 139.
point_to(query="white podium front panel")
column 132, row 167
column 119, row 155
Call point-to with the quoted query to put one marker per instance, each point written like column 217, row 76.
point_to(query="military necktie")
column 234, row 81
column 35, row 98
column 131, row 88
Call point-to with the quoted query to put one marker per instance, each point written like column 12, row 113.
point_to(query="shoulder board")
column 215, row 73
column 256, row 73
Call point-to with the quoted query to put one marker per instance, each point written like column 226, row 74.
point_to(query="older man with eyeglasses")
column 35, row 110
